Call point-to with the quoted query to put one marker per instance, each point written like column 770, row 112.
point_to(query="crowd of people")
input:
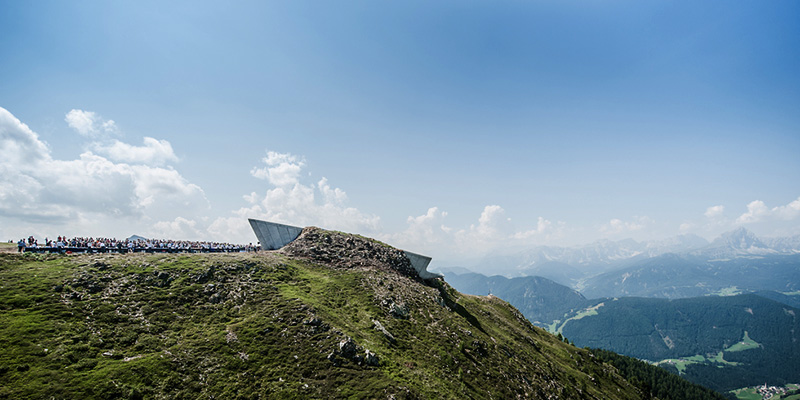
column 62, row 244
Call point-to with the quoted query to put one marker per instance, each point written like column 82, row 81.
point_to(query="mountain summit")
column 738, row 242
column 331, row 315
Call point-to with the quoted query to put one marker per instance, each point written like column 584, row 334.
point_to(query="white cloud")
column 617, row 226
column 493, row 230
column 543, row 228
column 757, row 211
column 179, row 229
column 92, row 190
column 335, row 195
column 154, row 152
column 714, row 211
column 789, row 211
column 294, row 202
column 492, row 221
column 428, row 234
column 282, row 169
column 89, row 124
column 424, row 233
column 19, row 145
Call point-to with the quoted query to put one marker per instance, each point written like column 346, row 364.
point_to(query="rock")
column 383, row 330
column 332, row 358
column 216, row 298
column 205, row 276
column 348, row 348
column 399, row 310
column 341, row 250
column 371, row 359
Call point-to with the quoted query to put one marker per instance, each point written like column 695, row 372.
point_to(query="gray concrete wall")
column 420, row 263
column 273, row 236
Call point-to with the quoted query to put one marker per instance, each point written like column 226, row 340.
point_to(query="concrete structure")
column 420, row 263
column 274, row 236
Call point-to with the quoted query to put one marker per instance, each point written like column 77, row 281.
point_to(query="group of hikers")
column 62, row 244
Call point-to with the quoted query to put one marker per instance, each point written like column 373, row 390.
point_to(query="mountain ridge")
column 579, row 264
column 282, row 324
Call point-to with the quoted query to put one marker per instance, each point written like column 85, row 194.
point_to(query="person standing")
column 21, row 246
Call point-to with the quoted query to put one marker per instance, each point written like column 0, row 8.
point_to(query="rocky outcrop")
column 342, row 250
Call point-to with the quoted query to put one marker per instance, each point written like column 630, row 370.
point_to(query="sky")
column 452, row 129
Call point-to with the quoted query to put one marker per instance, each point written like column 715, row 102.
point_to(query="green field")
column 747, row 394
column 680, row 363
column 583, row 313
column 751, row 393
column 728, row 291
column 745, row 344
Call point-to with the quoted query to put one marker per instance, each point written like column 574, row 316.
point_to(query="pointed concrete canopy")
column 420, row 263
column 273, row 236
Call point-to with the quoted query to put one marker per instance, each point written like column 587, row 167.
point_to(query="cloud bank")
column 92, row 191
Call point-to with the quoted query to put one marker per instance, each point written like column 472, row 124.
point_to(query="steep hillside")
column 330, row 316
column 721, row 342
column 541, row 300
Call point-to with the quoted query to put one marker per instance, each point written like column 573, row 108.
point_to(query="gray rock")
column 371, row 359
column 383, row 330
column 348, row 348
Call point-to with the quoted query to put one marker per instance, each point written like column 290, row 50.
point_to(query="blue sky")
column 451, row 128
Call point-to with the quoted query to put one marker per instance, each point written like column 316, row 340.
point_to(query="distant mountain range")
column 573, row 265
column 723, row 314
column 722, row 342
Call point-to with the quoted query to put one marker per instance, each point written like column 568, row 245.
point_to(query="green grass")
column 681, row 363
column 581, row 314
column 745, row 344
column 718, row 358
column 728, row 291
column 747, row 394
column 249, row 326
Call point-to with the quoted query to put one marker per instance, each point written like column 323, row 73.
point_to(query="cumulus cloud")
column 180, row 229
column 281, row 169
column 291, row 201
column 714, row 211
column 154, row 152
column 423, row 233
column 757, row 211
column 493, row 230
column 617, row 226
column 89, row 123
column 543, row 228
column 36, row 187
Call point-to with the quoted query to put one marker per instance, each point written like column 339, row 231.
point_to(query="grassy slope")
column 250, row 326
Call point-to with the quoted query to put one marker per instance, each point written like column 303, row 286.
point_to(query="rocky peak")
column 342, row 250
column 739, row 239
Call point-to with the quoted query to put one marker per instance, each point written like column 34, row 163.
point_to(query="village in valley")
column 764, row 392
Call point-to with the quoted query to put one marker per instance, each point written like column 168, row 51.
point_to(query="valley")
column 722, row 322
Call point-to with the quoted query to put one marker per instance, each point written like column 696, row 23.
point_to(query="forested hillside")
column 539, row 299
column 720, row 342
